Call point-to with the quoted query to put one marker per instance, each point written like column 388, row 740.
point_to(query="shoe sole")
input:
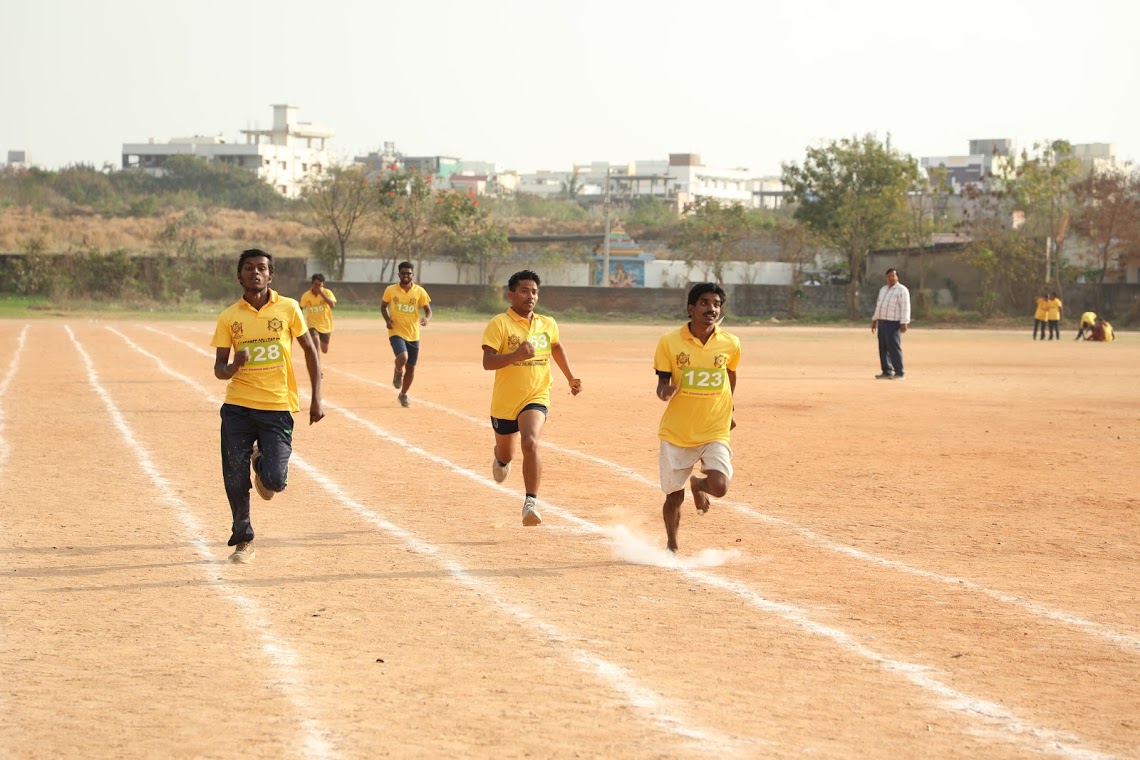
column 242, row 559
column 258, row 486
column 397, row 380
column 531, row 519
column 500, row 474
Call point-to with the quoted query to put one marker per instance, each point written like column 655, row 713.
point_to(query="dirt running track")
column 941, row 567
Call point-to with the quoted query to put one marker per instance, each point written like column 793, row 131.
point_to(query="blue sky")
column 539, row 85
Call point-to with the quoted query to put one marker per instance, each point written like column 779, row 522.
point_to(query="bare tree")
column 337, row 201
column 1108, row 214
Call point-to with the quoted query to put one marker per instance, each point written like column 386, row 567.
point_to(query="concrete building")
column 284, row 156
column 1001, row 150
column 1096, row 158
column 960, row 170
column 18, row 159
column 678, row 181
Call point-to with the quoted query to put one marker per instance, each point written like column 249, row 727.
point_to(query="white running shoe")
column 530, row 514
column 243, row 553
column 499, row 471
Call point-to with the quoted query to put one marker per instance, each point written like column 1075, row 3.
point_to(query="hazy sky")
column 534, row 84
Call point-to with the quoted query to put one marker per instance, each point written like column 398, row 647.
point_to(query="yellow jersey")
column 1088, row 319
column 701, row 410
column 318, row 314
column 1054, row 310
column 525, row 382
column 266, row 381
column 404, row 309
column 1042, row 312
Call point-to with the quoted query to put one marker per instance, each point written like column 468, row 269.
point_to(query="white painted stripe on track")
column 5, row 449
column 618, row 678
column 287, row 677
column 991, row 714
column 988, row 713
column 1130, row 642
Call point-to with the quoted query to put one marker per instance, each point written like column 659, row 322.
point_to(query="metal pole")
column 606, row 241
column 1048, row 257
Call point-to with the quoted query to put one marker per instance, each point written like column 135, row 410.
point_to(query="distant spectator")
column 1054, row 316
column 1041, row 316
column 1085, row 326
column 1102, row 331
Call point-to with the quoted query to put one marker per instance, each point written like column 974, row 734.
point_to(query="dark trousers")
column 1039, row 324
column 890, row 347
column 273, row 432
column 1054, row 329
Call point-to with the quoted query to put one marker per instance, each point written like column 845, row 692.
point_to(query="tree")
column 1108, row 214
column 927, row 202
column 338, row 201
column 1017, row 227
column 470, row 238
column 852, row 193
column 1042, row 190
column 572, row 186
column 715, row 233
column 796, row 246
column 219, row 183
column 406, row 213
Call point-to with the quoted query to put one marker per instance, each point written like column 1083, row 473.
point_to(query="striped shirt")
column 893, row 304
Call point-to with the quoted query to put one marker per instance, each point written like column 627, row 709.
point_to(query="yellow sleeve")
column 734, row 360
column 662, row 360
column 222, row 337
column 297, row 324
column 493, row 335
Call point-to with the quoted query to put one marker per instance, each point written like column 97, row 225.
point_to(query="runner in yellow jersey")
column 318, row 303
column 518, row 346
column 1053, row 316
column 257, row 416
column 1086, row 324
column 1040, row 315
column 400, row 305
column 696, row 375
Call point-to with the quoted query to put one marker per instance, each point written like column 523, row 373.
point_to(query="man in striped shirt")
column 892, row 315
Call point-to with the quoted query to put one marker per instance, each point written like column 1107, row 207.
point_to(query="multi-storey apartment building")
column 284, row 156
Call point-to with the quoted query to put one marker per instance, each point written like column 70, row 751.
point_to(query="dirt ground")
column 941, row 567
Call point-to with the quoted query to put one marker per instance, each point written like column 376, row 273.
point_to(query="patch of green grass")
column 13, row 307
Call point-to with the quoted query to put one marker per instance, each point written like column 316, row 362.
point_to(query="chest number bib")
column 703, row 382
column 405, row 308
column 541, row 343
column 263, row 354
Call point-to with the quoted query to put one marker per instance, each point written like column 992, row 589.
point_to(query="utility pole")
column 606, row 241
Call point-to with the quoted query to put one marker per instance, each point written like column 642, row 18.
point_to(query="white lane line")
column 989, row 714
column 5, row 449
column 618, row 678
column 287, row 675
column 1127, row 641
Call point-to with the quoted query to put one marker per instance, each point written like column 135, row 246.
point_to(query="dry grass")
column 222, row 231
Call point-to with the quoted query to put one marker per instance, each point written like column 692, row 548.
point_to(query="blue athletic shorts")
column 409, row 347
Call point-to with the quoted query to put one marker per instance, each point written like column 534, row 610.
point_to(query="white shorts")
column 676, row 463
